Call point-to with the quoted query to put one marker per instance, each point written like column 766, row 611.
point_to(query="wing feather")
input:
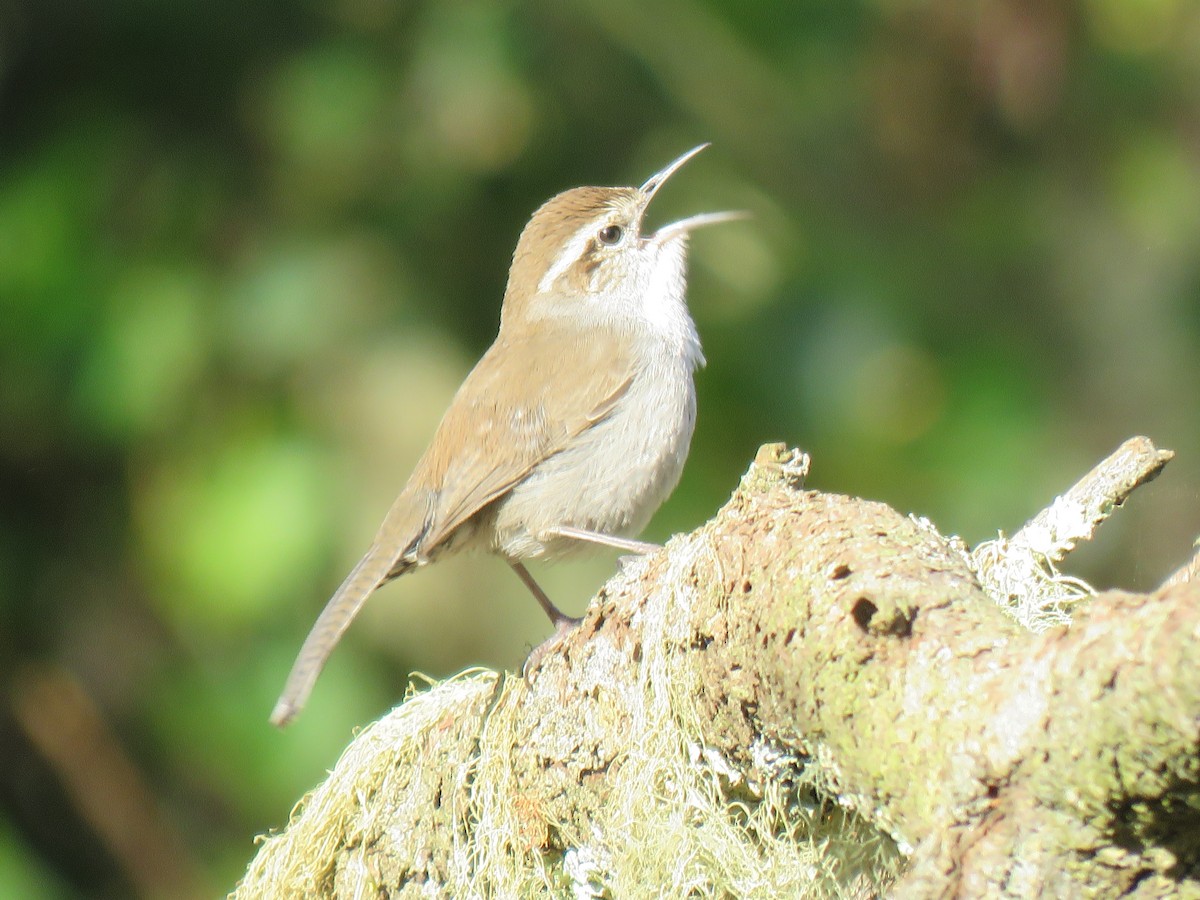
column 526, row 400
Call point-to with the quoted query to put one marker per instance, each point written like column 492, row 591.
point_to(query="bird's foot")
column 563, row 626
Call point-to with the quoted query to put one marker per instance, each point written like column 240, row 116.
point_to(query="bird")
column 572, row 428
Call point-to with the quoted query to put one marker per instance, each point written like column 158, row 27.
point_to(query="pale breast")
column 613, row 477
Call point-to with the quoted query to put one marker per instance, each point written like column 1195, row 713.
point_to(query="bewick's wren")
column 573, row 426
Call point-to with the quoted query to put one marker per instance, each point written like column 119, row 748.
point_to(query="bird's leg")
column 562, row 622
column 605, row 540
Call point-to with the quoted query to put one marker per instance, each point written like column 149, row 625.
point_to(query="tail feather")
column 395, row 550
column 371, row 571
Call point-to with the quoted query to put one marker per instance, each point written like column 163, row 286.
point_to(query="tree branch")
column 1021, row 572
column 809, row 693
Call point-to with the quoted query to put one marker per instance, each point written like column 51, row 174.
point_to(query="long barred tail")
column 372, row 570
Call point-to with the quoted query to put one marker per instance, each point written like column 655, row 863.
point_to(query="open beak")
column 683, row 226
column 691, row 223
column 659, row 178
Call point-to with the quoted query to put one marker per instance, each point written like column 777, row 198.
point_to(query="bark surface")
column 810, row 692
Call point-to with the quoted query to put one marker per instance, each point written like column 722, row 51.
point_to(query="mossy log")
column 810, row 694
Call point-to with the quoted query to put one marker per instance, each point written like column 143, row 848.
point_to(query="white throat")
column 663, row 302
column 650, row 301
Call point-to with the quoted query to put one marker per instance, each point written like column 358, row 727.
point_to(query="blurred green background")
column 248, row 251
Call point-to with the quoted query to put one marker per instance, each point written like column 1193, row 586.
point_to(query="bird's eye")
column 611, row 234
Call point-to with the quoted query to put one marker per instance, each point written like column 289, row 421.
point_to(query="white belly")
column 614, row 477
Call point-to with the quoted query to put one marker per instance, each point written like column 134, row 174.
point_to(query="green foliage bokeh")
column 247, row 252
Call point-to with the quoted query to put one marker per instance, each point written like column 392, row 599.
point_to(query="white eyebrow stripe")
column 569, row 254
